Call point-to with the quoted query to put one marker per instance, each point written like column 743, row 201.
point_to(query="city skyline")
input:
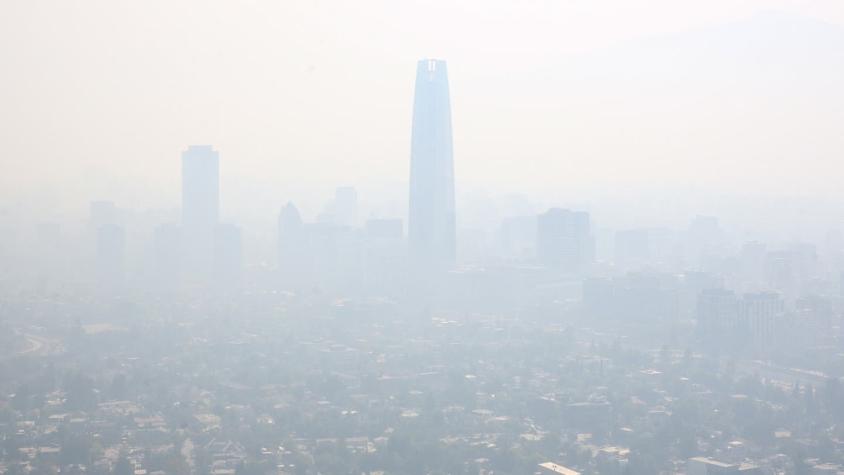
column 556, row 123
column 487, row 237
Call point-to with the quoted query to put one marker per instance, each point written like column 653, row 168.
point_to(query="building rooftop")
column 555, row 468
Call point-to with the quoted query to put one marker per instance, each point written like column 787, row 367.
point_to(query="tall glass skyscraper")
column 431, row 223
column 200, row 210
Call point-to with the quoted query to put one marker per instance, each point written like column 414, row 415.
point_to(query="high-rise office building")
column 431, row 223
column 564, row 240
column 200, row 209
column 200, row 188
column 385, row 253
column 754, row 321
column 717, row 315
column 293, row 249
column 762, row 314
column 109, row 244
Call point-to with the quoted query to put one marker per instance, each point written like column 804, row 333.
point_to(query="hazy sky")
column 99, row 97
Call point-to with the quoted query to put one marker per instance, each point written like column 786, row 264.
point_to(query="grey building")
column 564, row 240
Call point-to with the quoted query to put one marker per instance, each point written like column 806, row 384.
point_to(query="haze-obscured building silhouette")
column 200, row 210
column 342, row 210
column 754, row 321
column 717, row 315
column 432, row 220
column 212, row 251
column 292, row 245
column 385, row 254
column 200, row 188
column 109, row 239
column 564, row 240
column 762, row 315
